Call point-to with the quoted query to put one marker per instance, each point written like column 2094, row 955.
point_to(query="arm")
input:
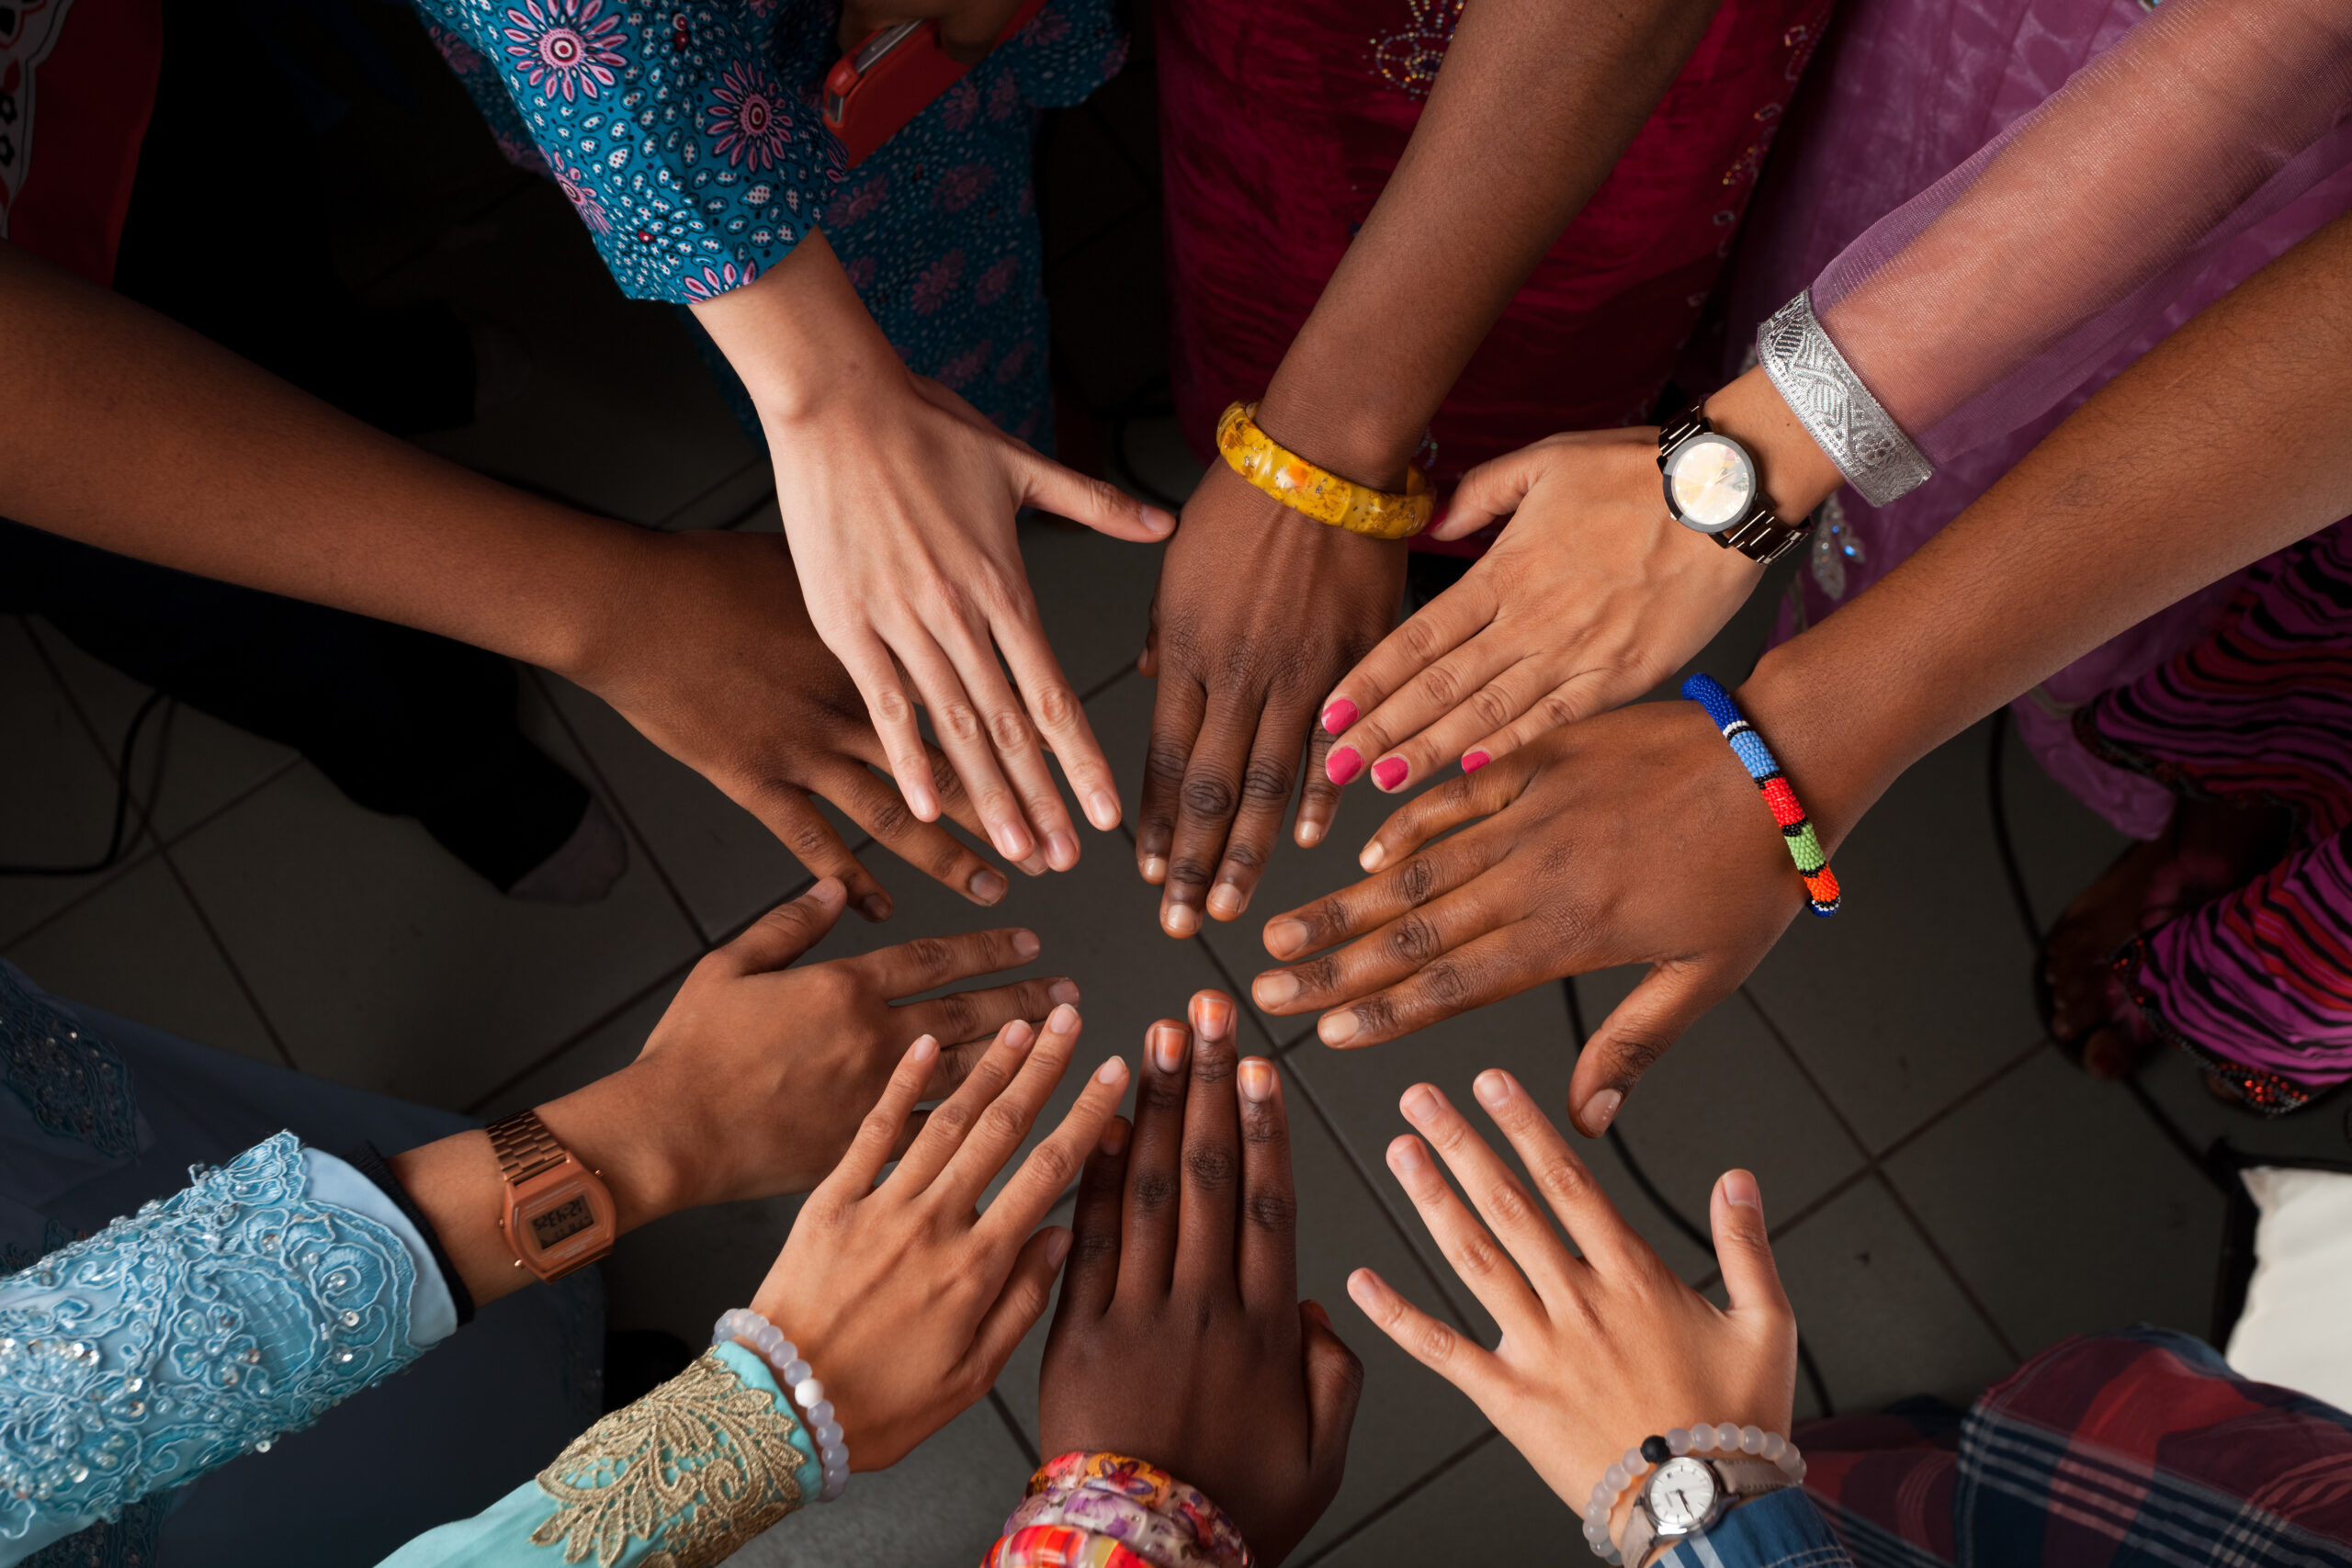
column 141, row 437
column 902, row 1298
column 2221, row 446
column 1244, row 670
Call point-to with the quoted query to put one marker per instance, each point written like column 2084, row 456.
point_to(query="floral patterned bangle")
column 1319, row 493
column 1107, row 1510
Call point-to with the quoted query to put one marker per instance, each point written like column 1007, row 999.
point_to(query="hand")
column 710, row 654
column 1592, row 596
column 753, row 1082
column 1600, row 1351
column 899, row 502
column 1252, row 1393
column 1258, row 609
column 906, row 1297
column 1634, row 837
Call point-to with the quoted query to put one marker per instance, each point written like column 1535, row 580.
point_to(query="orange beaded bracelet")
column 1319, row 493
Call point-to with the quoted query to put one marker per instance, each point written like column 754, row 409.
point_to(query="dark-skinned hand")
column 1184, row 1272
column 1632, row 838
column 717, row 662
column 1260, row 611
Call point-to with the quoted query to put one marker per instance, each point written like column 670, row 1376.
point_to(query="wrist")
column 1834, row 755
column 606, row 1128
column 801, row 340
column 1797, row 475
column 1355, row 443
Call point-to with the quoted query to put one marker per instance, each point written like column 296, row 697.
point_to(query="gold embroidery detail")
column 702, row 1464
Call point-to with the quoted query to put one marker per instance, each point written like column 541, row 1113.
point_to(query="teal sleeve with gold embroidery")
column 686, row 1476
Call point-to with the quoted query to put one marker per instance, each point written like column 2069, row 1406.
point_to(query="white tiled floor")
column 1948, row 1194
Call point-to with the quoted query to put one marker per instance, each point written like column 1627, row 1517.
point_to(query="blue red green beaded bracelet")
column 1805, row 844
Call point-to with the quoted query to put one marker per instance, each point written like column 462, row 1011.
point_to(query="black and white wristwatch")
column 1686, row 1495
column 1711, row 487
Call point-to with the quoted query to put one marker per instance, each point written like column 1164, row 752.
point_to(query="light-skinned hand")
column 1597, row 1351
column 1259, row 610
column 903, row 1293
column 1184, row 1280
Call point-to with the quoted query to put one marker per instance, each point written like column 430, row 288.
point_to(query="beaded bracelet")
column 800, row 1385
column 1698, row 1439
column 1804, row 845
column 1319, row 493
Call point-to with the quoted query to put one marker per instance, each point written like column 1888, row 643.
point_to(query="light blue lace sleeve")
column 205, row 1326
column 690, row 1473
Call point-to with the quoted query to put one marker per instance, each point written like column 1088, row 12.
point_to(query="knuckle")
column 957, row 721
column 1563, row 1178
column 1093, row 1244
column 1055, row 1165
column 1154, row 1191
column 1206, row 795
column 1506, row 1204
column 952, row 1119
column 1439, row 685
column 891, row 706
column 1437, row 1343
column 1265, row 782
column 1164, row 764
column 1319, row 976
column 1241, row 855
column 1492, row 707
column 1378, row 1014
column 1445, row 984
column 1416, row 941
column 1557, row 711
column 1210, row 1167
column 1187, row 873
column 961, row 1020
column 1272, row 1212
column 1057, row 706
column 1416, row 879
column 1009, row 730
column 930, row 954
column 889, row 815
column 1420, row 637
column 1474, row 1254
column 1002, row 1120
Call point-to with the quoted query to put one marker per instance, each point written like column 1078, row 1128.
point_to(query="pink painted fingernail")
column 1389, row 772
column 1473, row 761
column 1345, row 763
column 1340, row 716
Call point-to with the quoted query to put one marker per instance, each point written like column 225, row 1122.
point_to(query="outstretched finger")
column 997, row 1132
column 1148, row 1244
column 1056, row 1161
column 1334, row 1385
column 951, row 1122
column 1735, row 1216
column 1028, row 1287
column 1434, row 812
column 784, row 810
column 1177, row 710
column 1571, row 702
column 1467, row 691
column 1368, row 906
column 877, row 1140
column 1266, row 783
column 876, row 807
column 889, row 704
column 1489, row 1272
column 779, row 937
column 963, row 1016
column 1013, row 734
column 1268, row 1254
column 929, row 961
column 1104, row 507
column 1211, row 1164
column 1567, row 1184
column 1491, row 490
column 957, row 719
column 1494, row 1190
column 1365, row 715
column 1093, row 1276
column 1437, row 1345
column 1059, row 716
column 1502, row 963
column 1666, row 1001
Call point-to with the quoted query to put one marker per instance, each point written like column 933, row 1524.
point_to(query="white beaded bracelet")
column 800, row 1383
column 1725, row 1439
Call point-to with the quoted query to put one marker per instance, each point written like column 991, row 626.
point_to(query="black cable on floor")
column 121, row 807
column 1704, row 1241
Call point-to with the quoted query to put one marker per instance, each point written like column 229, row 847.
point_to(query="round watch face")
column 1681, row 1494
column 1710, row 482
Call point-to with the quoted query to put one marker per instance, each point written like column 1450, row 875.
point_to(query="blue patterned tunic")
column 689, row 142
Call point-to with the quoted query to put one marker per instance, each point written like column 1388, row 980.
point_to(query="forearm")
column 134, row 434
column 800, row 338
column 1533, row 107
column 2226, row 443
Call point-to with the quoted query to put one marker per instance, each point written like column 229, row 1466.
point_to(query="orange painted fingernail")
column 1257, row 1080
column 1345, row 763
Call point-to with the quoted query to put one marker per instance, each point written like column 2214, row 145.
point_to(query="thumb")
column 1669, row 1000
column 1334, row 1383
column 1494, row 489
column 784, row 933
column 1742, row 1252
column 1102, row 506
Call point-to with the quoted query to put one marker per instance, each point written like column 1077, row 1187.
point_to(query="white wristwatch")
column 1686, row 1495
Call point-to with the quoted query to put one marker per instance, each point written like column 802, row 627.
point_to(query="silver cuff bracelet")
column 1831, row 402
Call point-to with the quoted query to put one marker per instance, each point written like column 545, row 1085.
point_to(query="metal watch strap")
column 1762, row 536
column 523, row 1147
column 1742, row 1478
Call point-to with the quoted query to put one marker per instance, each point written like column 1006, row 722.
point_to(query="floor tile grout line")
column 1380, row 1201
column 221, row 946
column 713, row 488
column 1783, row 1229
column 1022, row 1439
column 553, row 1054
column 620, row 808
column 1874, row 1161
column 1402, row 1496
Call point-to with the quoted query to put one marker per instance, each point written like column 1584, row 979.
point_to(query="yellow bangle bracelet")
column 1319, row 493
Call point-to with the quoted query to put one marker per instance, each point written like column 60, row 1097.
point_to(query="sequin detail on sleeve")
column 206, row 1326
column 697, row 1469
column 75, row 1084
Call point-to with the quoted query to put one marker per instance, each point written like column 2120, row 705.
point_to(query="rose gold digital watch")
column 559, row 1215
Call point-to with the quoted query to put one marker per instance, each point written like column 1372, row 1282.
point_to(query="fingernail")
column 1010, row 842
column 1405, row 1156
column 1339, row 717
column 1167, row 1048
column 1345, row 763
column 1062, row 991
column 1034, row 865
column 1113, row 1071
column 1114, row 1138
column 1226, row 901
column 1102, row 809
column 988, row 886
column 1057, row 1249
column 875, row 907
column 1216, row 1018
column 1600, row 1110
column 828, row 890
column 1420, row 1103
column 1026, row 943
column 1181, row 920
column 1285, row 937
column 1310, row 832
column 1275, row 991
column 1155, row 869
column 1740, row 1187
column 1339, row 1028
column 923, row 1049
column 1491, row 1088
column 1389, row 772
column 1062, row 851
column 1359, row 1288
column 1018, row 1033
column 1374, row 855
column 1473, row 761
column 1063, row 1019
column 1257, row 1080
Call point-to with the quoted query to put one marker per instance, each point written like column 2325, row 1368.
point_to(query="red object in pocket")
column 895, row 73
